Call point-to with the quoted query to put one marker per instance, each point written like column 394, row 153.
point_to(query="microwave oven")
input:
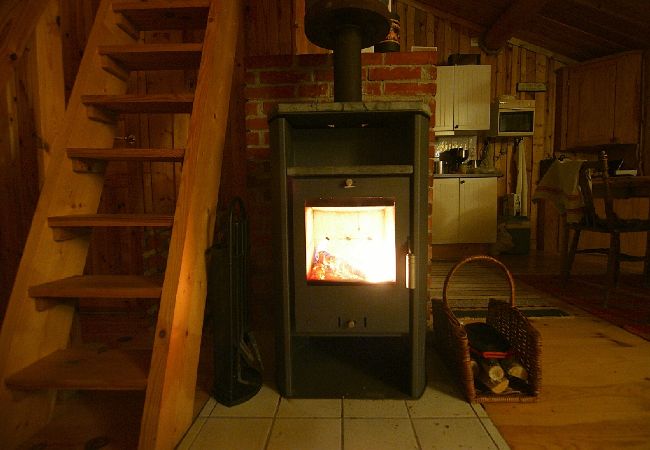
column 512, row 118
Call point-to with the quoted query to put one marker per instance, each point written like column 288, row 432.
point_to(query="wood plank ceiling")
column 577, row 29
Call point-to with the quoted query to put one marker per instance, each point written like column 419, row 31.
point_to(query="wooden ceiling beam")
column 514, row 18
column 470, row 26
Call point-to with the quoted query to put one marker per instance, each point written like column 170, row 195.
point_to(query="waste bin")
column 519, row 228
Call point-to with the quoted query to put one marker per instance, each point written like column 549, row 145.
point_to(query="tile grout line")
column 342, row 424
column 275, row 415
column 417, row 439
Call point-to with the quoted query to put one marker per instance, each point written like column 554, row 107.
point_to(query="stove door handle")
column 411, row 264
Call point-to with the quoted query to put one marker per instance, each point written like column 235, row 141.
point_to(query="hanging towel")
column 560, row 186
column 522, row 179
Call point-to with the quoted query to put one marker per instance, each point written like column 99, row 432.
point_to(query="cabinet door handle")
column 462, row 181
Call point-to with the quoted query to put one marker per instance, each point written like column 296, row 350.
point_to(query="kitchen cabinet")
column 464, row 210
column 462, row 99
column 602, row 102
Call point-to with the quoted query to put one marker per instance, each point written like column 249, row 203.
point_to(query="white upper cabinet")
column 462, row 98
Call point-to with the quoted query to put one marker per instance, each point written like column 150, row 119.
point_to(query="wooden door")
column 444, row 118
column 477, row 210
column 472, row 97
column 591, row 104
column 627, row 112
column 444, row 214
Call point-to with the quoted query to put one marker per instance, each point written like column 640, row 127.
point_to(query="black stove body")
column 350, row 241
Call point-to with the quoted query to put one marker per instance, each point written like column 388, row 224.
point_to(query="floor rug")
column 474, row 284
column 628, row 306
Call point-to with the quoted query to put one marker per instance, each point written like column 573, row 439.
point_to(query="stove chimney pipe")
column 346, row 26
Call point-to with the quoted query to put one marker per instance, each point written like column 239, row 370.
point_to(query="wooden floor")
column 595, row 381
column 595, row 387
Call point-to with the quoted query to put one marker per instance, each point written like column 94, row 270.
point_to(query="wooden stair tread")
column 159, row 15
column 155, row 56
column 111, row 220
column 86, row 369
column 100, row 286
column 127, row 153
column 136, row 104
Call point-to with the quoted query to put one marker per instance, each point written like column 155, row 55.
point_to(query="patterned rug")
column 629, row 303
column 475, row 283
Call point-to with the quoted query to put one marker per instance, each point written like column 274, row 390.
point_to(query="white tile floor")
column 440, row 419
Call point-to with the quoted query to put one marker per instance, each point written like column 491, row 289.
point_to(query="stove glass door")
column 350, row 240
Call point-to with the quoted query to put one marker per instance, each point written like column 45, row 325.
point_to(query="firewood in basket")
column 496, row 386
column 514, row 368
column 492, row 369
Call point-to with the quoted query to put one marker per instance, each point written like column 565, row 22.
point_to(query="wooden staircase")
column 36, row 354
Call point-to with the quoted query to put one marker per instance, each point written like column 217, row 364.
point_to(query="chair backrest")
column 591, row 171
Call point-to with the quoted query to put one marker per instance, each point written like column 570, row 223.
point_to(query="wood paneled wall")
column 273, row 27
column 518, row 62
column 423, row 26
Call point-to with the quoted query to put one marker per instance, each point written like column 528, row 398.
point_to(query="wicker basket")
column 452, row 343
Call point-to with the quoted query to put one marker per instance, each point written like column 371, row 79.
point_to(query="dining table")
column 560, row 186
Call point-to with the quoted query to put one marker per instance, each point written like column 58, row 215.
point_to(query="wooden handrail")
column 18, row 19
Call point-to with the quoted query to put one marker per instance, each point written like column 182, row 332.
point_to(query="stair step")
column 111, row 220
column 105, row 107
column 93, row 159
column 70, row 226
column 86, row 369
column 154, row 56
column 100, row 286
column 164, row 15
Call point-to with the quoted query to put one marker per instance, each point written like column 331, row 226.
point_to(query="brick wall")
column 309, row 78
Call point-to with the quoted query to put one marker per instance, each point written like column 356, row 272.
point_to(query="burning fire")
column 351, row 244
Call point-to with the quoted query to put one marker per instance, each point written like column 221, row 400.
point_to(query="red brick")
column 313, row 90
column 263, row 62
column 267, row 107
column 284, row 77
column 252, row 138
column 372, row 88
column 371, row 59
column 394, row 73
column 251, row 77
column 265, row 138
column 409, row 88
column 410, row 58
column 324, row 75
column 271, row 92
column 252, row 108
column 429, row 72
column 314, row 60
column 258, row 154
column 257, row 123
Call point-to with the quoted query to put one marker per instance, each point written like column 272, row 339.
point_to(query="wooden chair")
column 611, row 224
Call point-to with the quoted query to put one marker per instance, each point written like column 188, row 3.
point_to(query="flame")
column 351, row 244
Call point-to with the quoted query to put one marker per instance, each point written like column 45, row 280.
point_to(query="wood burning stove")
column 350, row 229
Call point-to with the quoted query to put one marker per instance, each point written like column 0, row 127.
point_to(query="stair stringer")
column 28, row 334
column 168, row 409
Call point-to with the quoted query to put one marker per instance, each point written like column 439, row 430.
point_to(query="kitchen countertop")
column 467, row 175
